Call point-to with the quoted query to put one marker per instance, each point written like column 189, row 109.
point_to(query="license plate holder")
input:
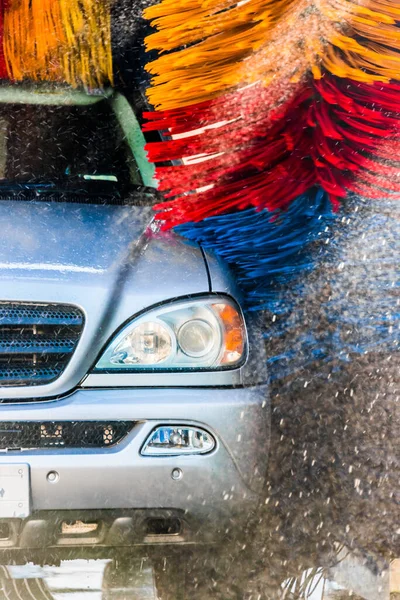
column 14, row 491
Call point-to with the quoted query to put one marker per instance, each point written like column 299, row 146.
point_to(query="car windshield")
column 68, row 147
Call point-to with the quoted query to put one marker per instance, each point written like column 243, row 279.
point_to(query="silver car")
column 134, row 400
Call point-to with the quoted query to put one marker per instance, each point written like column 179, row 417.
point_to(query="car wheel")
column 142, row 579
column 180, row 574
column 15, row 589
column 211, row 574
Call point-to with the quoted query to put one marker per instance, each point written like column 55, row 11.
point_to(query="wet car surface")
column 329, row 525
column 329, row 529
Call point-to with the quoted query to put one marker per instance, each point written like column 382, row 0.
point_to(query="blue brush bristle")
column 268, row 250
column 328, row 283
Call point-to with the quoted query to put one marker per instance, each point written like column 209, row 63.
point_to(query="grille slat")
column 21, row 344
column 33, row 435
column 19, row 376
column 36, row 341
column 12, row 314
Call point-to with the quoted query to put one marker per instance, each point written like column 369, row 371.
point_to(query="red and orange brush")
column 272, row 112
column 286, row 94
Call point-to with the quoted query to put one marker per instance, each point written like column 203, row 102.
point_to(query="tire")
column 181, row 574
column 211, row 574
column 21, row 589
column 129, row 579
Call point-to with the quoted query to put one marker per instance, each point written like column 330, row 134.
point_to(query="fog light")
column 175, row 439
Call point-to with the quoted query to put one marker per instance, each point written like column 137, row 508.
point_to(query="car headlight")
column 206, row 333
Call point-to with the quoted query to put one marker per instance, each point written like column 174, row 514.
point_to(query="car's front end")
column 134, row 402
column 115, row 452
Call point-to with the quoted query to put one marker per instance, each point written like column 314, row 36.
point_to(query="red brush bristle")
column 246, row 102
column 3, row 66
column 330, row 134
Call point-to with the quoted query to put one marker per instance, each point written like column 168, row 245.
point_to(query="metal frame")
column 50, row 95
column 129, row 124
column 56, row 95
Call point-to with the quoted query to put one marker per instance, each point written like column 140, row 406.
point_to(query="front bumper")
column 124, row 491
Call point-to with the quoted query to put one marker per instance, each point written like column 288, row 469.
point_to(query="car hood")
column 40, row 240
column 106, row 259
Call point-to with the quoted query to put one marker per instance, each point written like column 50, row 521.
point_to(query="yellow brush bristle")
column 87, row 25
column 207, row 49
column 59, row 40
column 32, row 36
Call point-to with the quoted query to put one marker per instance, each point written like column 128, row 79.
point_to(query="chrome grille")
column 36, row 341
